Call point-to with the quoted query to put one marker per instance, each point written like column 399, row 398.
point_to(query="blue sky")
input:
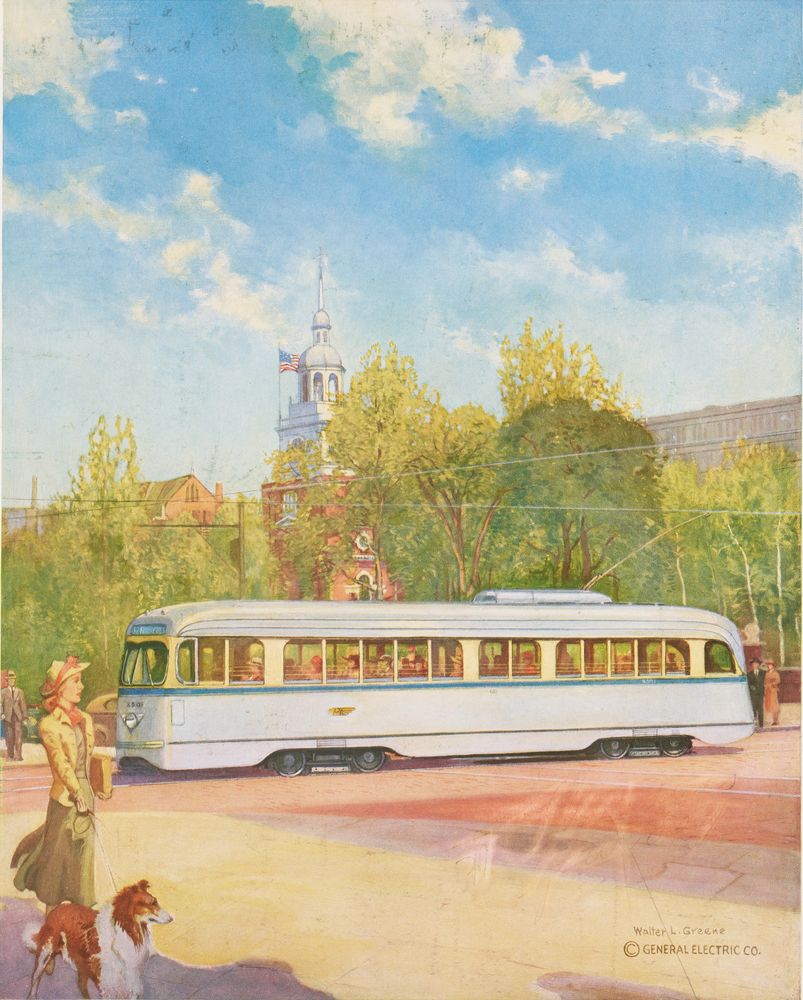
column 631, row 170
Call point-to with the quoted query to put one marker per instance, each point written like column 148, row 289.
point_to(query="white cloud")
column 131, row 116
column 441, row 49
column 519, row 178
column 720, row 99
column 231, row 297
column 200, row 194
column 42, row 51
column 554, row 261
column 463, row 341
column 178, row 255
column 79, row 200
column 773, row 135
column 141, row 313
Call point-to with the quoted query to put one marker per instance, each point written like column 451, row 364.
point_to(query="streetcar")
column 299, row 685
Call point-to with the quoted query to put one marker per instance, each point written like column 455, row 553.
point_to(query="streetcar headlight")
column 132, row 720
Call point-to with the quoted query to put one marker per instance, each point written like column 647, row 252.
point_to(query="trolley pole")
column 241, row 546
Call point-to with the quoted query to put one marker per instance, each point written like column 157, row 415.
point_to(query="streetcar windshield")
column 144, row 664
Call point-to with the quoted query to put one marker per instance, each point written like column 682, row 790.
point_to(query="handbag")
column 100, row 775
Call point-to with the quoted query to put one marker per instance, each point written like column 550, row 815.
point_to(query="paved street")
column 580, row 879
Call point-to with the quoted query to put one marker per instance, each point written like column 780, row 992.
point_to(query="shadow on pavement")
column 573, row 986
column 164, row 978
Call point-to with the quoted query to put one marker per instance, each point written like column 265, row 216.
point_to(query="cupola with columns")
column 320, row 380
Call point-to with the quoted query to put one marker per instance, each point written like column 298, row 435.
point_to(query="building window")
column 333, row 387
column 289, row 504
column 366, row 587
column 317, row 387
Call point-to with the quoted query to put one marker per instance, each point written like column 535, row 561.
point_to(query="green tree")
column 584, row 483
column 372, row 438
column 544, row 370
column 309, row 530
column 460, row 485
column 757, row 488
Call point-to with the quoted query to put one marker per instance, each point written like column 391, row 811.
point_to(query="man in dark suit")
column 14, row 712
column 755, row 684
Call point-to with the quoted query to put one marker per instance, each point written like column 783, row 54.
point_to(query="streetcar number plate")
column 330, row 767
column 645, row 752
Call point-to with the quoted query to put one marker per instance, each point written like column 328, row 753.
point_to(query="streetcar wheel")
column 369, row 759
column 614, row 748
column 289, row 763
column 675, row 746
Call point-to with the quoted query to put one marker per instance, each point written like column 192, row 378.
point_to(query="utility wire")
column 740, row 442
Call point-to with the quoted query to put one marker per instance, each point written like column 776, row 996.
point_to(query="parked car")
column 31, row 730
column 103, row 710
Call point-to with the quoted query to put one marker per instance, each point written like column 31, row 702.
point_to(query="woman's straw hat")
column 58, row 672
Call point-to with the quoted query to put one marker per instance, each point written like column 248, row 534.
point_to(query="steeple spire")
column 321, row 259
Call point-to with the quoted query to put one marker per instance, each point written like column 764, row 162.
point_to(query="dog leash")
column 95, row 821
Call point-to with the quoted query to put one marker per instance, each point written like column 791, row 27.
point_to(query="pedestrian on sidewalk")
column 755, row 684
column 14, row 711
column 772, row 690
column 57, row 861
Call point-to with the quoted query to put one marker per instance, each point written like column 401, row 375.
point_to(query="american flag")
column 288, row 362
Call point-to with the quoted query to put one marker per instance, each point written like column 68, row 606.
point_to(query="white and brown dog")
column 108, row 947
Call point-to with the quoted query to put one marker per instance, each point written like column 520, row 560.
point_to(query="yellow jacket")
column 58, row 738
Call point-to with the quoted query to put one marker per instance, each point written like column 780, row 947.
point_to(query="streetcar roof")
column 339, row 618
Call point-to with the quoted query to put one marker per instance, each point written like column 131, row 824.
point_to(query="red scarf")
column 73, row 713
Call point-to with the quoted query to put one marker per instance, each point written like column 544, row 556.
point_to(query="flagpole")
column 279, row 397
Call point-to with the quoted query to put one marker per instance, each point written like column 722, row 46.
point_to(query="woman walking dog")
column 57, row 861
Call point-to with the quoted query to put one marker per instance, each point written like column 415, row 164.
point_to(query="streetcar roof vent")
column 540, row 597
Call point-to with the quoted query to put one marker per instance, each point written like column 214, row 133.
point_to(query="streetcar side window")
column 649, row 657
column 413, row 659
column 447, row 658
column 568, row 658
column 212, row 660
column 377, row 663
column 526, row 658
column 595, row 657
column 718, row 659
column 185, row 663
column 246, row 661
column 495, row 658
column 303, row 662
column 144, row 664
column 677, row 659
column 622, row 661
column 342, row 661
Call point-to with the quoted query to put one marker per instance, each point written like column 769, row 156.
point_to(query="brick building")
column 167, row 499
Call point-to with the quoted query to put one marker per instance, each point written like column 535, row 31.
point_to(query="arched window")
column 317, row 386
column 333, row 387
column 364, row 581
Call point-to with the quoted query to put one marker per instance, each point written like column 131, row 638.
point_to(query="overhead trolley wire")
column 443, row 470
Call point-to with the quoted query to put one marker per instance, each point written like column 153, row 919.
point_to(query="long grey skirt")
column 57, row 861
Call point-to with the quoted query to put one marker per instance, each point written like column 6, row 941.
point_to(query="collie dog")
column 108, row 947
